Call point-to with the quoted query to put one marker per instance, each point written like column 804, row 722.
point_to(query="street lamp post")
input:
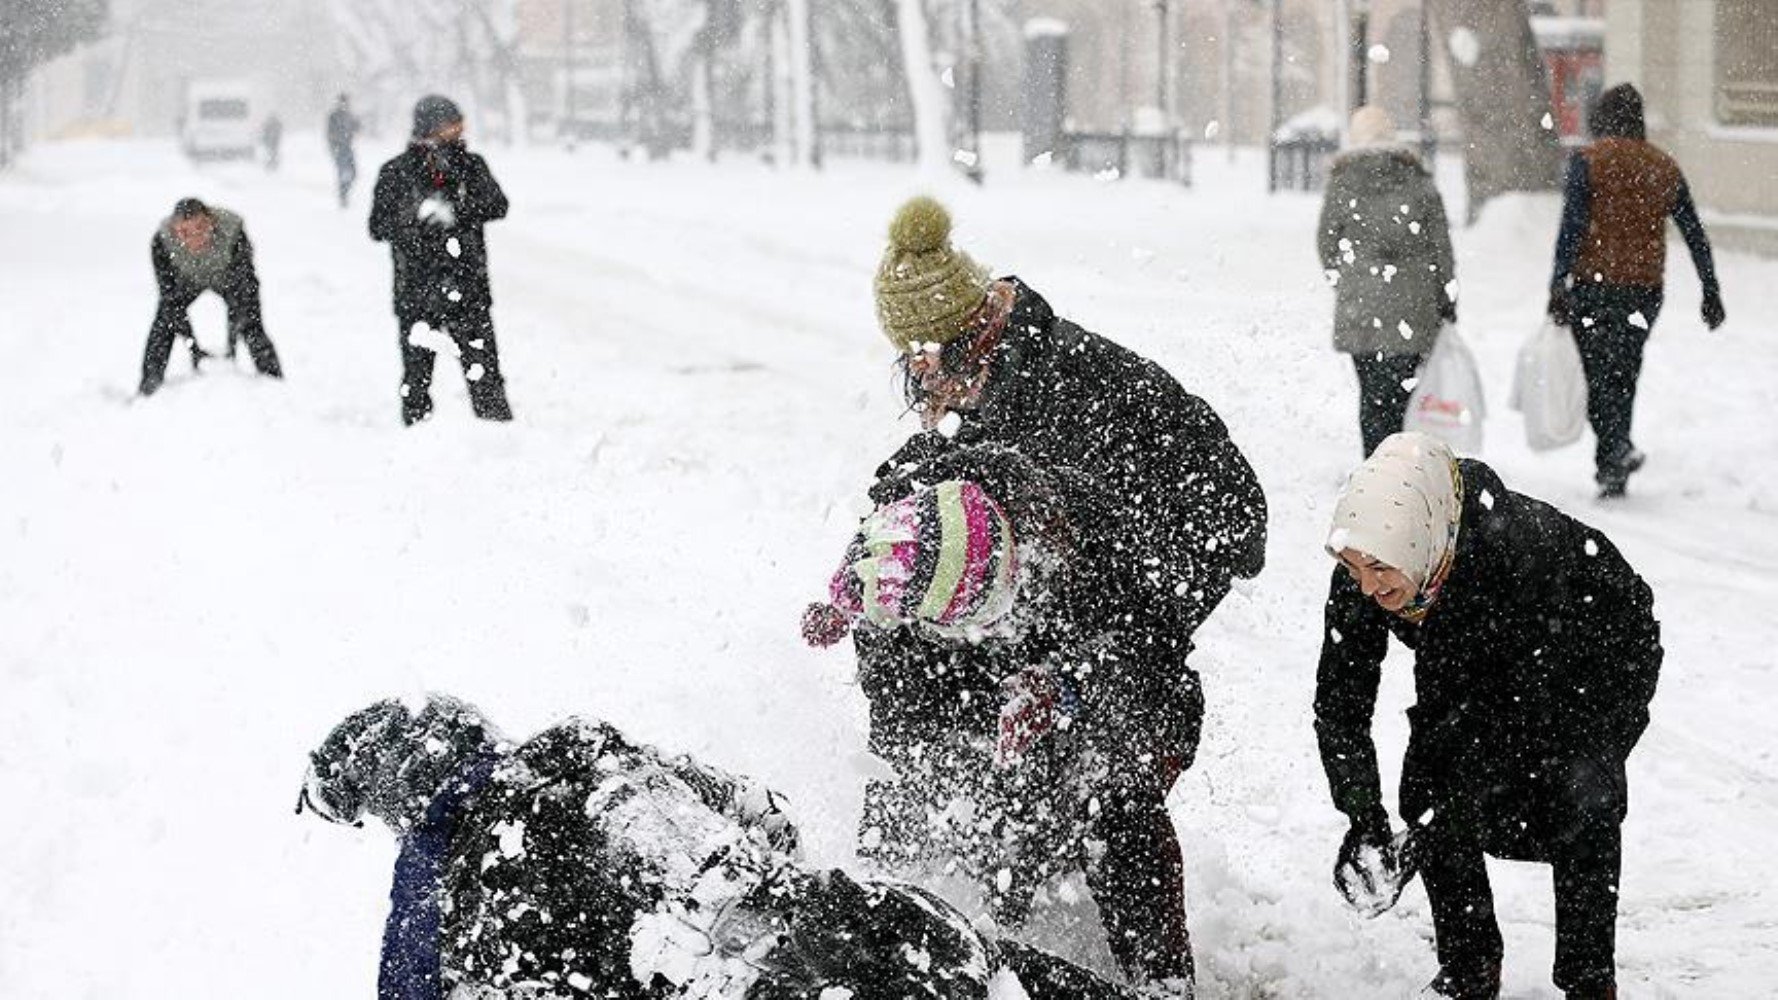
column 1163, row 49
column 568, row 71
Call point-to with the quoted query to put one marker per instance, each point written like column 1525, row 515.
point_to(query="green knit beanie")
column 926, row 288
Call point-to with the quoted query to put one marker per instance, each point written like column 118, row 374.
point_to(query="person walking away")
column 342, row 128
column 271, row 135
column 430, row 205
column 1385, row 247
column 1536, row 654
column 202, row 248
column 1611, row 255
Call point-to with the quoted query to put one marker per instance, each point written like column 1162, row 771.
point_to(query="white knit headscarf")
column 1400, row 506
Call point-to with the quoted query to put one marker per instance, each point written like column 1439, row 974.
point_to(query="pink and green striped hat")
column 943, row 556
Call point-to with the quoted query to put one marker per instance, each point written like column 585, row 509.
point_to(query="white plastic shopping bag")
column 1550, row 388
column 1447, row 400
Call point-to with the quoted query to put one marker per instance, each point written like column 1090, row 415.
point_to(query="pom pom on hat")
column 920, row 226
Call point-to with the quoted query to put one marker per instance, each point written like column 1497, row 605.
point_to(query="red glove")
column 824, row 625
column 1033, row 707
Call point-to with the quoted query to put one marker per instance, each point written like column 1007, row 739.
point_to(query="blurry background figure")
column 197, row 249
column 271, row 135
column 1386, row 249
column 342, row 128
column 430, row 205
column 1611, row 259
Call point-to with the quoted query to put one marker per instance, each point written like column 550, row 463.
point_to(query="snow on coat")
column 582, row 864
column 1384, row 238
column 430, row 205
column 1541, row 650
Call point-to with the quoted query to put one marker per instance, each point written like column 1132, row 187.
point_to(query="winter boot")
column 1481, row 982
column 1592, row 993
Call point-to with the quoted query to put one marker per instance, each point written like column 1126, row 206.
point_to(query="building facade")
column 1708, row 70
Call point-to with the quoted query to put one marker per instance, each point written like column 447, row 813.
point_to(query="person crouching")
column 201, row 248
column 1536, row 656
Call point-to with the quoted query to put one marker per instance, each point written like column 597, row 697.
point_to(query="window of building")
column 1746, row 63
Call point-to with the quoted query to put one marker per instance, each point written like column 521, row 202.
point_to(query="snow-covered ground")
column 194, row 588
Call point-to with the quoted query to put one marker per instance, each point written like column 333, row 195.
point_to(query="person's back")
column 1634, row 189
column 1383, row 232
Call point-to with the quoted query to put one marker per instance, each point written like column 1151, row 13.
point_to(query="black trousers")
column 1611, row 343
column 1577, row 830
column 472, row 331
column 1384, row 385
column 1138, row 882
column 240, row 293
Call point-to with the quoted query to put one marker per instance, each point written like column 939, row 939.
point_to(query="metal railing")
column 1164, row 156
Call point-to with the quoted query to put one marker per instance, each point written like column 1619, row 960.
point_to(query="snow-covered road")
column 194, row 588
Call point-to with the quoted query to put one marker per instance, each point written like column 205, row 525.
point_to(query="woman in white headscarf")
column 1536, row 653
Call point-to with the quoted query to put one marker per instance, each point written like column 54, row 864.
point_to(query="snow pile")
column 199, row 586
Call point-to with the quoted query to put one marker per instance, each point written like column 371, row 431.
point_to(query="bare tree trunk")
column 932, row 129
column 1503, row 99
column 802, row 83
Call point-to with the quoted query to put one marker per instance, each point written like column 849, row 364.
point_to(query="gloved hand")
column 1447, row 309
column 1561, row 309
column 1373, row 867
column 1712, row 310
column 1036, row 701
column 825, row 624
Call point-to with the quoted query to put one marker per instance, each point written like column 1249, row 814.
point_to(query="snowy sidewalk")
column 195, row 587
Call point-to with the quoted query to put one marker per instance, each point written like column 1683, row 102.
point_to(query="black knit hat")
column 1618, row 115
column 433, row 112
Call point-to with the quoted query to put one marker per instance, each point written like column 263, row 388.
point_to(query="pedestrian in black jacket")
column 198, row 249
column 1536, row 652
column 582, row 864
column 430, row 205
column 1023, row 681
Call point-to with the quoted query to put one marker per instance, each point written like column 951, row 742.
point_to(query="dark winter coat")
column 537, row 872
column 430, row 205
column 1383, row 233
column 1092, row 610
column 1066, row 398
column 1541, row 652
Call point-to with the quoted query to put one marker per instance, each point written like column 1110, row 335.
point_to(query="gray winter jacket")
column 1384, row 238
column 202, row 270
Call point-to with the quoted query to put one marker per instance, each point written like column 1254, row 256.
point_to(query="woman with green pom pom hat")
column 990, row 363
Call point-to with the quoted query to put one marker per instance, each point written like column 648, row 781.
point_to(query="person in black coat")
column 430, row 205
column 1058, row 706
column 583, row 864
column 201, row 248
column 1536, row 653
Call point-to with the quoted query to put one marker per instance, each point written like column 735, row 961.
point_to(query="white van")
column 219, row 121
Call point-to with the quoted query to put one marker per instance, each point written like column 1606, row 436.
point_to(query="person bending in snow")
column 1536, row 652
column 198, row 249
column 1024, row 687
column 430, row 205
column 580, row 863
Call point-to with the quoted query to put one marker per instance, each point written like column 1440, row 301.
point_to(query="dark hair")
column 1618, row 114
column 190, row 208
